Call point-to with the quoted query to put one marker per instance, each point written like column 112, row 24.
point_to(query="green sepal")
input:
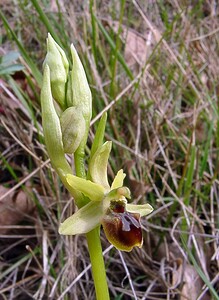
column 93, row 191
column 84, row 220
column 98, row 165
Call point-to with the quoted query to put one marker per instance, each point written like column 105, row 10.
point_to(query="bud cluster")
column 66, row 104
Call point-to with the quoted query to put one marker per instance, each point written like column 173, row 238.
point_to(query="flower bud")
column 73, row 129
column 81, row 94
column 58, row 64
column 51, row 126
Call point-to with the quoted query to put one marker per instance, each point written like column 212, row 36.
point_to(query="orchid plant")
column 66, row 113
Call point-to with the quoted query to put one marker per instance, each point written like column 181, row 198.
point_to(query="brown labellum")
column 122, row 228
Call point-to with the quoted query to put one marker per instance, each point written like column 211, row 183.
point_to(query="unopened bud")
column 73, row 129
column 51, row 126
column 81, row 94
column 58, row 64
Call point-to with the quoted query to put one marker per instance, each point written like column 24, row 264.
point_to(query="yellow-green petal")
column 118, row 180
column 93, row 191
column 84, row 220
column 143, row 210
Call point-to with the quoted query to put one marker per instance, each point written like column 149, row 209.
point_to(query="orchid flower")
column 108, row 206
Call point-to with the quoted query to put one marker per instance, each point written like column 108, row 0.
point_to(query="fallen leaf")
column 13, row 208
column 192, row 283
column 177, row 273
column 137, row 46
column 138, row 187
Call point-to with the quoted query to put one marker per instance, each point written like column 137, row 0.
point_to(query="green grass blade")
column 98, row 139
column 10, row 69
column 190, row 174
column 46, row 21
column 35, row 71
column 19, row 94
column 199, row 270
column 206, row 151
column 113, row 47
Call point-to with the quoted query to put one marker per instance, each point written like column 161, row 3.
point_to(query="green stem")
column 97, row 263
column 93, row 241
column 79, row 162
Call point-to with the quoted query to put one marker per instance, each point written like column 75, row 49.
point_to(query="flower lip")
column 129, row 220
column 117, row 206
column 118, row 210
column 122, row 228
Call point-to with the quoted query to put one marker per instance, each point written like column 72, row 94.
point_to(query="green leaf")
column 7, row 70
column 35, row 71
column 9, row 58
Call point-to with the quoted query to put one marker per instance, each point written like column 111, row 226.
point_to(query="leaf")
column 99, row 135
column 192, row 283
column 13, row 208
column 136, row 48
column 9, row 58
column 10, row 69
